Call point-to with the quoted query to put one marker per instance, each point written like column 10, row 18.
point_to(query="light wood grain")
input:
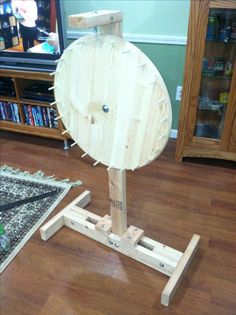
column 57, row 222
column 179, row 271
column 107, row 71
column 117, row 194
column 95, row 18
column 85, row 222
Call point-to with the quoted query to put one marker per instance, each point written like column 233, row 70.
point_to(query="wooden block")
column 94, row 218
column 94, row 18
column 83, row 200
column 82, row 225
column 104, row 225
column 179, row 271
column 132, row 236
column 113, row 28
column 161, row 249
column 52, row 226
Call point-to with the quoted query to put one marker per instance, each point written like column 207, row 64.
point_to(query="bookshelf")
column 25, row 105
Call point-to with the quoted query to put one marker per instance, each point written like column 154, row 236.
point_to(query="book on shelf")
column 40, row 116
column 9, row 111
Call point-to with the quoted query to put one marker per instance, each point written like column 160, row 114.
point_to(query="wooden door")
column 192, row 75
column 208, row 103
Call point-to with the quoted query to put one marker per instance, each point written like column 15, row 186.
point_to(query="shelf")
column 33, row 130
column 4, row 123
column 8, row 99
column 26, row 75
column 210, row 77
column 219, row 42
column 34, row 103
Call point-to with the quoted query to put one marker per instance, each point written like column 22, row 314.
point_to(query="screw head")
column 105, row 108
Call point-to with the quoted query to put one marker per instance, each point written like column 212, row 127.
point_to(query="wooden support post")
column 117, row 194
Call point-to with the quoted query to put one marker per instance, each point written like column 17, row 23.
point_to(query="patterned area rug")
column 21, row 221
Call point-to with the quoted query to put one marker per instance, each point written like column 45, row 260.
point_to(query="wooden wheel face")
column 113, row 101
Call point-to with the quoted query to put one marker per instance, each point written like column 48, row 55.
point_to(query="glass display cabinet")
column 207, row 123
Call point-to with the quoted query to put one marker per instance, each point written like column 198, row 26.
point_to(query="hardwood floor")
column 73, row 275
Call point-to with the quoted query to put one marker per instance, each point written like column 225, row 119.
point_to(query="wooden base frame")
column 132, row 242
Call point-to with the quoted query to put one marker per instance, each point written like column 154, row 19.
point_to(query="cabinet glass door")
column 217, row 70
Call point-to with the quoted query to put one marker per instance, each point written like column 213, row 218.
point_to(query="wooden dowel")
column 65, row 131
column 83, row 155
column 59, row 117
column 73, row 144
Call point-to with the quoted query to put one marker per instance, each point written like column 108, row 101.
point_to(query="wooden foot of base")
column 57, row 222
column 132, row 242
column 179, row 271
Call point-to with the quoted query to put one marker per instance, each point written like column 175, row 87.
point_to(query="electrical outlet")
column 178, row 93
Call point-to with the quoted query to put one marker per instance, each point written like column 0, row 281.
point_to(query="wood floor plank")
column 71, row 274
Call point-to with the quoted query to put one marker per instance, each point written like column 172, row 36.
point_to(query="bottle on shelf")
column 5, row 243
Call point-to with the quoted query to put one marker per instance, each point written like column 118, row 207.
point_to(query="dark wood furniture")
column 22, row 80
column 207, row 123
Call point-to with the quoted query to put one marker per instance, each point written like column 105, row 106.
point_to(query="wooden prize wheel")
column 115, row 105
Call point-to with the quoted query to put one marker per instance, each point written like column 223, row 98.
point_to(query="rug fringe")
column 37, row 175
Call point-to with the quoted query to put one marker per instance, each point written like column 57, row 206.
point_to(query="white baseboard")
column 139, row 38
column 173, row 133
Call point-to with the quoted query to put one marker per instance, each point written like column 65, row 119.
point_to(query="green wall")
column 169, row 60
column 167, row 17
column 151, row 22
